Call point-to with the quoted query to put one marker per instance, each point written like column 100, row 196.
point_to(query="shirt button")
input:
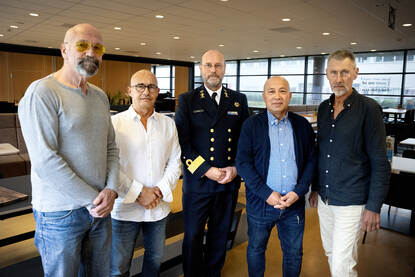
column 283, row 176
column 348, row 105
column 328, row 156
column 282, row 160
column 331, row 110
column 331, row 140
column 332, row 125
column 283, row 191
column 280, row 129
column 327, row 171
column 281, row 144
column 327, row 186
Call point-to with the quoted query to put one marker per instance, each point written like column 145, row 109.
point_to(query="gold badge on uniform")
column 236, row 104
column 226, row 93
column 202, row 94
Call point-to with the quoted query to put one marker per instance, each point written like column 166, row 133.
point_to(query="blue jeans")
column 290, row 225
column 73, row 243
column 124, row 236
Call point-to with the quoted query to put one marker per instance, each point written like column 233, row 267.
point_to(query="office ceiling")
column 242, row 26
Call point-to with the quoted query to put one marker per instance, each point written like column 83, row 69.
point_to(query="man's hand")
column 230, row 174
column 154, row 204
column 313, row 199
column 370, row 221
column 104, row 203
column 150, row 197
column 215, row 174
column 287, row 200
column 274, row 198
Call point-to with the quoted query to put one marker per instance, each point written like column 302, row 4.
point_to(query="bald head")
column 143, row 75
column 277, row 79
column 212, row 69
column 83, row 29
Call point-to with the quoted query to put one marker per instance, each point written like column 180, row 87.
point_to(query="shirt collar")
column 349, row 100
column 274, row 121
column 219, row 91
column 132, row 114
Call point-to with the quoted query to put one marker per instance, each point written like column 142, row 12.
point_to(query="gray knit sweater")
column 71, row 144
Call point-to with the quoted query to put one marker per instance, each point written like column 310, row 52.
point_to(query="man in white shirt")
column 149, row 167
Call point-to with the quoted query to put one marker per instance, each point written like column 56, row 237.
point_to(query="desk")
column 8, row 149
column 403, row 164
column 395, row 112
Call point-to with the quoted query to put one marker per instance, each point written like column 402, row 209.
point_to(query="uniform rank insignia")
column 226, row 93
column 236, row 104
column 202, row 94
column 232, row 113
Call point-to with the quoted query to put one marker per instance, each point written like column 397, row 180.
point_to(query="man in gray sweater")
column 71, row 143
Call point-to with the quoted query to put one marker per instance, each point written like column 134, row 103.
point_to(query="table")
column 403, row 164
column 19, row 184
column 8, row 149
column 395, row 113
column 409, row 141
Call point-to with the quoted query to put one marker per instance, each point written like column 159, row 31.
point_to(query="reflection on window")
column 254, row 99
column 197, row 69
column 252, row 83
column 293, row 65
column 254, row 67
column 379, row 62
column 410, row 61
column 231, row 68
column 317, row 64
column 409, row 85
column 378, row 84
column 409, row 103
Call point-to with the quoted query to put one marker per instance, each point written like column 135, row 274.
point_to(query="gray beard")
column 87, row 71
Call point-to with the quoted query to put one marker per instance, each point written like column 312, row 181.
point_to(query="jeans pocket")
column 53, row 217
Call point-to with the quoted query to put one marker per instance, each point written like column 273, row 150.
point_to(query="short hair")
column 341, row 55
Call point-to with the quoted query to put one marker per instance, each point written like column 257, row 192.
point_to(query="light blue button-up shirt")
column 282, row 170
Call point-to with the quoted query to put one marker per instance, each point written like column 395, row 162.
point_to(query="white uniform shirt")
column 147, row 158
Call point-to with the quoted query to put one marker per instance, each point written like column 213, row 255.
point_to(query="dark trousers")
column 215, row 209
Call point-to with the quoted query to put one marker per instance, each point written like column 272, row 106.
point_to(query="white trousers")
column 340, row 234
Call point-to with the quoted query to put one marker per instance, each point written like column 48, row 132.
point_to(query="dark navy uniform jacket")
column 208, row 136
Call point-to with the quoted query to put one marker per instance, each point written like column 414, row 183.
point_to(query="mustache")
column 88, row 59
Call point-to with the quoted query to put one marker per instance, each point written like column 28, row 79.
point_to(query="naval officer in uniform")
column 209, row 121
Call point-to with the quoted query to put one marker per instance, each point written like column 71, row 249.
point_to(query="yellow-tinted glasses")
column 82, row 46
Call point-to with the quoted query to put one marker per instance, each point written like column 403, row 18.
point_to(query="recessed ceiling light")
column 248, row 58
column 407, row 25
column 286, row 19
column 192, row 57
column 282, row 56
column 255, row 51
column 117, row 28
column 143, row 43
column 299, row 47
column 1, row 35
column 323, row 53
column 224, row 0
column 373, row 50
column 221, row 45
column 117, row 48
column 159, row 16
column 13, row 26
column 196, row 61
column 158, row 53
column 325, row 33
column 49, row 47
column 33, row 14
column 353, row 43
column 176, row 37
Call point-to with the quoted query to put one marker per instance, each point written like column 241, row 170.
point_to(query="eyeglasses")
column 82, row 46
column 209, row 66
column 142, row 87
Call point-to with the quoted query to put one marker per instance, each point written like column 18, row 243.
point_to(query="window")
column 387, row 62
column 165, row 78
column 282, row 66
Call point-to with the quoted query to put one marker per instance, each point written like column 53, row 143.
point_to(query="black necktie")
column 214, row 98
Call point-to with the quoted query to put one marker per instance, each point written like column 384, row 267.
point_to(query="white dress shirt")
column 219, row 91
column 147, row 158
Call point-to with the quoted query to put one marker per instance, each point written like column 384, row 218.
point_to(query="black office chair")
column 409, row 117
column 408, row 154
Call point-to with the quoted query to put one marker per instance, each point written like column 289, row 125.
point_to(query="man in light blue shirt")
column 276, row 158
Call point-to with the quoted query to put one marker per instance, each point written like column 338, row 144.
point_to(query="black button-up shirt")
column 352, row 165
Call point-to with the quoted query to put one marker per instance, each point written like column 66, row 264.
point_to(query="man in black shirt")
column 353, row 171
